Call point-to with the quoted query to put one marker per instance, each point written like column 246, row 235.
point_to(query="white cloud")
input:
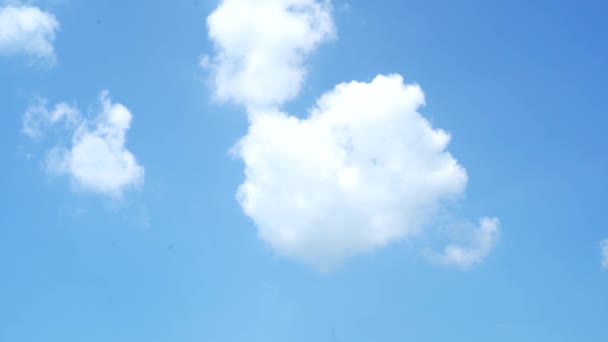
column 27, row 30
column 261, row 46
column 604, row 251
column 363, row 170
column 481, row 243
column 98, row 160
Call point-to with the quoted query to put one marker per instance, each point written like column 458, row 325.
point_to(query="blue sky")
column 146, row 239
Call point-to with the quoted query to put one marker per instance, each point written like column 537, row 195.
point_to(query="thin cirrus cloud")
column 364, row 169
column 97, row 160
column 28, row 31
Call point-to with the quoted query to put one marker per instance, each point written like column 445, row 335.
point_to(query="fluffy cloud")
column 604, row 251
column 363, row 170
column 27, row 30
column 482, row 242
column 261, row 47
column 98, row 160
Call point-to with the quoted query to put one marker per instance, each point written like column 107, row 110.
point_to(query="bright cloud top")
column 261, row 47
column 98, row 160
column 481, row 243
column 27, row 30
column 604, row 252
column 363, row 170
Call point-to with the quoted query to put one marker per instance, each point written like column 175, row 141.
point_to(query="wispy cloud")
column 38, row 117
column 480, row 243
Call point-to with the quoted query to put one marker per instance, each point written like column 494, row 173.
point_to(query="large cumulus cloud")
column 362, row 170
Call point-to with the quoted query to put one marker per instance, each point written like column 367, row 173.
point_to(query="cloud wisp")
column 38, row 117
column 28, row 31
column 97, row 160
column 480, row 243
column 604, row 253
column 363, row 170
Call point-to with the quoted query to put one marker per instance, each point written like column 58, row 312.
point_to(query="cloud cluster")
column 98, row 159
column 29, row 31
column 362, row 170
column 604, row 252
column 261, row 47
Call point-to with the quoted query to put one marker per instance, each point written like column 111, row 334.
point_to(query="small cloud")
column 28, row 31
column 98, row 160
column 482, row 242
